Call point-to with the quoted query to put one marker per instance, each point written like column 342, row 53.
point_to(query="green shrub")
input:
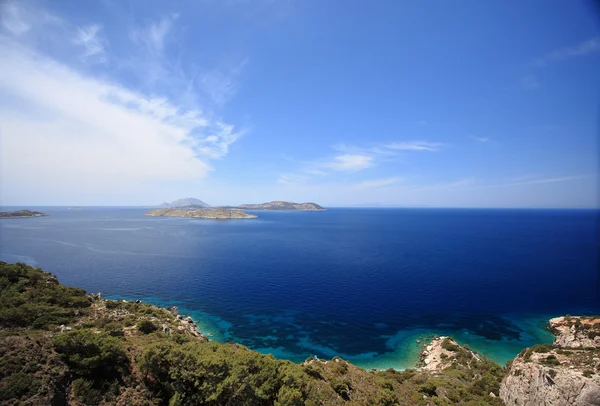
column 550, row 360
column 18, row 385
column 146, row 326
column 449, row 346
column 97, row 356
column 111, row 304
column 386, row 397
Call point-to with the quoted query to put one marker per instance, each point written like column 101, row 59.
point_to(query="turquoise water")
column 363, row 284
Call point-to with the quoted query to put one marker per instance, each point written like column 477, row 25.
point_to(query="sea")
column 367, row 285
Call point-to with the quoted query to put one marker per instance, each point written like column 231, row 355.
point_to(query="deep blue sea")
column 364, row 284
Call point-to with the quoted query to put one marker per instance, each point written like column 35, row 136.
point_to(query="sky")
column 465, row 103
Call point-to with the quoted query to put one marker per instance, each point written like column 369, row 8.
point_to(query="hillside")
column 282, row 205
column 62, row 346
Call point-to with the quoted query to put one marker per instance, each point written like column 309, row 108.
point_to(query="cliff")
column 21, row 214
column 564, row 373
column 216, row 213
column 282, row 205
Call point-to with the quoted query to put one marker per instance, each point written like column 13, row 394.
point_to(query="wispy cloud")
column 154, row 34
column 14, row 19
column 414, row 146
column 26, row 19
column 350, row 162
column 354, row 159
column 220, row 84
column 374, row 183
column 290, row 179
column 480, row 139
column 456, row 184
column 89, row 37
column 586, row 47
column 540, row 181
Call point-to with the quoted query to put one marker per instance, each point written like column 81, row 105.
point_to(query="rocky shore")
column 168, row 320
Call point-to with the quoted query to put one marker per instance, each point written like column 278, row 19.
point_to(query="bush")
column 95, row 356
column 111, row 304
column 449, row 346
column 28, row 300
column 551, row 360
column 18, row 385
column 146, row 326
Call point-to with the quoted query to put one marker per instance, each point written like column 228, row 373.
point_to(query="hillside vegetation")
column 60, row 345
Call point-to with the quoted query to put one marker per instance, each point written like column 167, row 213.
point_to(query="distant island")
column 282, row 205
column 207, row 213
column 190, row 203
column 185, row 202
column 21, row 214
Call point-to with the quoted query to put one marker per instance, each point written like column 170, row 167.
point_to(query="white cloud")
column 350, row 162
column 65, row 132
column 354, row 159
column 586, row 47
column 414, row 146
column 93, row 44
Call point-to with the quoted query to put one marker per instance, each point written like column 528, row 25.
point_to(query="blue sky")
column 445, row 104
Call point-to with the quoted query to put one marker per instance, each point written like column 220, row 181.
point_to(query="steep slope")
column 564, row 373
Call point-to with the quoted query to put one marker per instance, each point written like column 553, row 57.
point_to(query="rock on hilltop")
column 217, row 213
column 566, row 372
column 282, row 205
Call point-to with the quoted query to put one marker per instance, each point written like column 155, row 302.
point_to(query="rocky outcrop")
column 443, row 352
column 576, row 332
column 217, row 213
column 560, row 374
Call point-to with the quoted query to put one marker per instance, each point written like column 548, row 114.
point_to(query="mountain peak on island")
column 282, row 205
column 185, row 202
